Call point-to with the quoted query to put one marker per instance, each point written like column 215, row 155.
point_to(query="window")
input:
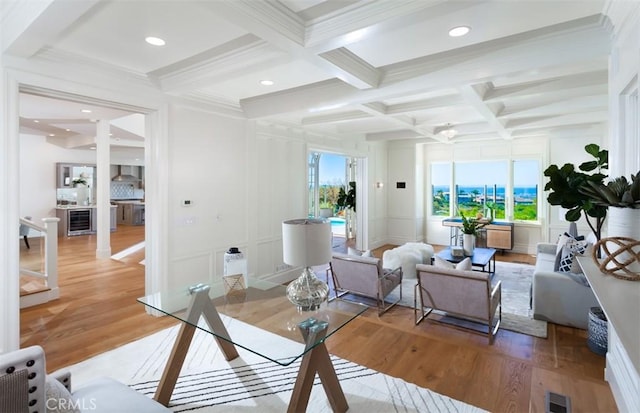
column 480, row 187
column 440, row 189
column 525, row 190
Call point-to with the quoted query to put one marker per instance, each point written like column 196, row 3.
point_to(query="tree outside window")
column 440, row 189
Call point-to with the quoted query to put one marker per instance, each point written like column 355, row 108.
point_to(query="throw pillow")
column 565, row 260
column 442, row 263
column 464, row 265
column 58, row 398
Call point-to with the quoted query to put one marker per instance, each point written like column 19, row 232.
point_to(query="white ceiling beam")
column 426, row 104
column 231, row 59
column 282, row 28
column 557, row 85
column 365, row 18
column 558, row 120
column 564, row 44
column 392, row 136
column 549, row 106
column 31, row 25
column 337, row 117
column 351, row 63
column 474, row 96
column 331, row 93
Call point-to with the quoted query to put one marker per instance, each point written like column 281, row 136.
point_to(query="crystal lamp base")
column 307, row 292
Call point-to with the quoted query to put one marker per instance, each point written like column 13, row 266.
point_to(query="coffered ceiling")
column 378, row 70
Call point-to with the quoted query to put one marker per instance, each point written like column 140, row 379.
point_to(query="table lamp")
column 305, row 243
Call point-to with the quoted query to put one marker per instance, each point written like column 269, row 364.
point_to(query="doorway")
column 57, row 130
column 332, row 195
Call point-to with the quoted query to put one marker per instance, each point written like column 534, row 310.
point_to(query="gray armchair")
column 25, row 387
column 466, row 294
column 365, row 276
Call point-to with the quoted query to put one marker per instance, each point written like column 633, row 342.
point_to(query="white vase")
column 468, row 244
column 623, row 222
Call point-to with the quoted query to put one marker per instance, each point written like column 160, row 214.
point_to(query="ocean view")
column 523, row 194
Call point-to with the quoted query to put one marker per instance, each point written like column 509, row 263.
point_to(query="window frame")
column 509, row 188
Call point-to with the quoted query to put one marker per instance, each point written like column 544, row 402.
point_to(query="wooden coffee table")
column 483, row 258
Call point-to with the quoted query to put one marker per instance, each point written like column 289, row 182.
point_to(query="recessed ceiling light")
column 266, row 82
column 459, row 31
column 52, row 134
column 92, row 147
column 155, row 41
column 86, row 111
column 68, row 130
column 36, row 121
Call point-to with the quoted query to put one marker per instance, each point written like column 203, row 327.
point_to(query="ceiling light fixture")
column 86, row 111
column 459, row 31
column 52, row 134
column 155, row 41
column 449, row 133
column 267, row 82
column 36, row 121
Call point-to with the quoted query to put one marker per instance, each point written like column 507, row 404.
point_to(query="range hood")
column 125, row 174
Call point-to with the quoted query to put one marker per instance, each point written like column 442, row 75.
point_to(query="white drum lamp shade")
column 305, row 243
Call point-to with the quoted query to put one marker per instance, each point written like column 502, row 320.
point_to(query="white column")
column 156, row 195
column 103, row 190
column 9, row 218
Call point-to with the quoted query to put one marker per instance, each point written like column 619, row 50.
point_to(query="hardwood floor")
column 97, row 311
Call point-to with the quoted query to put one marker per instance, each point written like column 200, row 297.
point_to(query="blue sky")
column 526, row 174
column 332, row 169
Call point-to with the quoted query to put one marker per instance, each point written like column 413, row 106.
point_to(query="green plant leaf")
column 592, row 149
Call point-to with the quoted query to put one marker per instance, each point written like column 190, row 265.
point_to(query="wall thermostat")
column 187, row 202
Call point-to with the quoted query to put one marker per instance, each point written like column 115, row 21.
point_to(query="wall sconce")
column 379, row 185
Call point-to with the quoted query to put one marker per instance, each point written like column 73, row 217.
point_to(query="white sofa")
column 408, row 256
column 558, row 297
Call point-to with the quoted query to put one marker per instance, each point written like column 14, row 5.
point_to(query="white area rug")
column 208, row 383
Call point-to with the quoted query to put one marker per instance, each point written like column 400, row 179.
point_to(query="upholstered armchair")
column 25, row 387
column 464, row 294
column 365, row 276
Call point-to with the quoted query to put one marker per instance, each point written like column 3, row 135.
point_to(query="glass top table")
column 233, row 318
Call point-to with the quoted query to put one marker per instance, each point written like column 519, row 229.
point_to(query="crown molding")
column 217, row 63
column 270, row 20
column 354, row 65
column 574, row 40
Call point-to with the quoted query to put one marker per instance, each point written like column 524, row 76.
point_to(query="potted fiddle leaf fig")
column 568, row 184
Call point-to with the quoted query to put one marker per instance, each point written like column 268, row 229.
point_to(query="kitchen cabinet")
column 81, row 220
column 130, row 213
column 67, row 172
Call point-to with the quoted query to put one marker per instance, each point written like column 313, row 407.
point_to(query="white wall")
column 38, row 160
column 403, row 217
column 243, row 179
